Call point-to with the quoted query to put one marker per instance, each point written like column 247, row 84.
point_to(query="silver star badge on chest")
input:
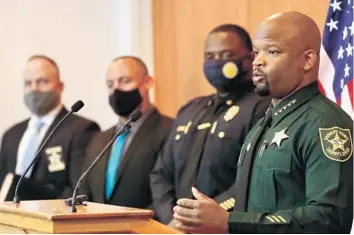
column 279, row 137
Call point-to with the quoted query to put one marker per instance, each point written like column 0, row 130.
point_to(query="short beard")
column 263, row 90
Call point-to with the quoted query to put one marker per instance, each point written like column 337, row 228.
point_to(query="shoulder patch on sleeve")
column 336, row 143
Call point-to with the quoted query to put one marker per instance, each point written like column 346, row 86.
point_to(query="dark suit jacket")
column 132, row 184
column 71, row 137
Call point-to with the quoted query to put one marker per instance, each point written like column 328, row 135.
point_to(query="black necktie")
column 243, row 181
column 210, row 113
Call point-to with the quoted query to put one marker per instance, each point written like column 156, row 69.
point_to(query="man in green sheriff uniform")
column 295, row 171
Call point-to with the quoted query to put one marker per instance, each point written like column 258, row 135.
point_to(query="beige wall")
column 82, row 37
column 180, row 27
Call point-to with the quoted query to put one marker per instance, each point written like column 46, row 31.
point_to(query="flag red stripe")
column 350, row 90
column 321, row 87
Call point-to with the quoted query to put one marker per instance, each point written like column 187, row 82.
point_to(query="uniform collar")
column 230, row 98
column 294, row 101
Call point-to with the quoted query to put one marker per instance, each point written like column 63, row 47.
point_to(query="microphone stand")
column 73, row 200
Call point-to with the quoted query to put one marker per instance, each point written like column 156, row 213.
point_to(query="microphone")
column 74, row 108
column 77, row 106
column 133, row 117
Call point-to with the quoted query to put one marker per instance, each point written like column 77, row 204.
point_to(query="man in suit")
column 122, row 176
column 61, row 160
column 208, row 133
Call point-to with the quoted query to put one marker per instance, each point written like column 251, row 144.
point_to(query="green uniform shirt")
column 302, row 174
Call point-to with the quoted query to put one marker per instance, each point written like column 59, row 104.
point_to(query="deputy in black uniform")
column 208, row 133
column 295, row 170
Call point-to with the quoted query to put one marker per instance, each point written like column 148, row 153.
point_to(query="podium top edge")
column 57, row 210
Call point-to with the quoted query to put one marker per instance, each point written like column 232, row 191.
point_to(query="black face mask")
column 225, row 75
column 124, row 102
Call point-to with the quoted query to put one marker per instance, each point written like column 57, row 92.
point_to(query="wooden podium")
column 53, row 216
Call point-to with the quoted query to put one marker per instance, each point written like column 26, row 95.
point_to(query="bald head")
column 42, row 73
column 127, row 75
column 133, row 62
column 287, row 47
column 294, row 28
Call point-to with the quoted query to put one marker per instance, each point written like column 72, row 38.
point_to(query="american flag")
column 336, row 64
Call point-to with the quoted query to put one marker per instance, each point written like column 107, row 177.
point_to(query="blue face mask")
column 225, row 75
